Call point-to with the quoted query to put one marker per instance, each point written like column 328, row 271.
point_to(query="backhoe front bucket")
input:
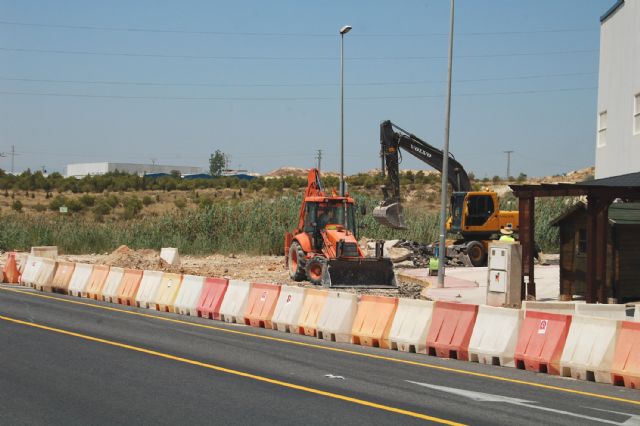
column 390, row 215
column 363, row 272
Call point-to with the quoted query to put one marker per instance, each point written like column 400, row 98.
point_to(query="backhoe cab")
column 323, row 248
column 475, row 216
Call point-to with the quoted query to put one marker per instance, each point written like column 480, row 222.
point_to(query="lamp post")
column 343, row 31
column 445, row 162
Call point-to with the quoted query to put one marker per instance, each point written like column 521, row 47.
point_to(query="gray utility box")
column 503, row 280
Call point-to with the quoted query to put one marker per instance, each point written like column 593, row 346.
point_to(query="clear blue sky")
column 175, row 80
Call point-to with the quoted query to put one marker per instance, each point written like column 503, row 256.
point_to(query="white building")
column 84, row 169
column 618, row 128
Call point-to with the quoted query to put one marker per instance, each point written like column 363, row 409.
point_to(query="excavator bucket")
column 390, row 215
column 363, row 272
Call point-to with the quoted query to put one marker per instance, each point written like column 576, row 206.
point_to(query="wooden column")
column 592, row 237
column 602, row 225
column 526, row 235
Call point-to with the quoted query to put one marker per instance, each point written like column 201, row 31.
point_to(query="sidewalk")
column 469, row 285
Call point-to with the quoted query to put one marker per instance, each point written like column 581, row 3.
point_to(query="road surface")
column 67, row 360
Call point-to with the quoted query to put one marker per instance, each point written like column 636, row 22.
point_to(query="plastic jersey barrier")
column 186, row 302
column 168, row 291
column 96, row 282
column 60, row 282
column 373, row 321
column 31, row 269
column 451, row 328
column 80, row 279
column 112, row 284
column 541, row 341
column 129, row 287
column 311, row 310
column 261, row 304
column 235, row 301
column 617, row 312
column 213, row 293
column 10, row 272
column 148, row 290
column 285, row 317
column 625, row 369
column 411, row 325
column 564, row 308
column 45, row 275
column 337, row 316
column 495, row 335
column 588, row 351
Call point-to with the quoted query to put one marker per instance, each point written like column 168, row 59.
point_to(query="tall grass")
column 254, row 227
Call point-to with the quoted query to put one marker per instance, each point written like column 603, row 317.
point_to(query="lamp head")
column 345, row 29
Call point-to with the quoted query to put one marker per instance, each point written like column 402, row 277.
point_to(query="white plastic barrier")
column 45, row 274
column 111, row 286
column 80, row 278
column 148, row 290
column 285, row 317
column 565, row 308
column 636, row 313
column 495, row 335
column 411, row 325
column 186, row 302
column 235, row 301
column 336, row 319
column 31, row 270
column 589, row 349
column 618, row 312
column 49, row 252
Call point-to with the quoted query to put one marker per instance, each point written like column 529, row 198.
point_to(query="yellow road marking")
column 333, row 349
column 236, row 372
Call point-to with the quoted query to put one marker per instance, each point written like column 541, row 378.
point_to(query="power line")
column 380, row 83
column 313, row 98
column 287, row 58
column 281, row 34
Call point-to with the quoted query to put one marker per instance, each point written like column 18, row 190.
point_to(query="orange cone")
column 10, row 273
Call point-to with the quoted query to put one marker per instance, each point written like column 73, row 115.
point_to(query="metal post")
column 341, row 114
column 508, row 163
column 445, row 162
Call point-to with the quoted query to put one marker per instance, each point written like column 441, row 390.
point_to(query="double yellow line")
column 333, row 349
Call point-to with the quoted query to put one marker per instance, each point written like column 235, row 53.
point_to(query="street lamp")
column 343, row 31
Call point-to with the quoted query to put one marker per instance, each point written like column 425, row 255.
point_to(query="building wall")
column 83, row 169
column 619, row 81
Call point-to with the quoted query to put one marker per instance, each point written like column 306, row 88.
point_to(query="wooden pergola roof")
column 600, row 194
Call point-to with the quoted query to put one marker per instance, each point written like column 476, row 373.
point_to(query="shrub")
column 40, row 207
column 57, row 202
column 17, row 205
column 146, row 200
column 87, row 200
column 180, row 203
column 74, row 205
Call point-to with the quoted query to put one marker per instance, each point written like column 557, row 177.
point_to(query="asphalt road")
column 66, row 360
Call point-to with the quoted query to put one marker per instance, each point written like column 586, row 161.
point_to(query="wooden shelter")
column 600, row 194
column 622, row 274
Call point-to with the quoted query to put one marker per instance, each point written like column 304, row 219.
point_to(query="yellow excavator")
column 475, row 216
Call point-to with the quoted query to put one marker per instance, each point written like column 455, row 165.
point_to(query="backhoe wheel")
column 296, row 262
column 316, row 268
column 476, row 253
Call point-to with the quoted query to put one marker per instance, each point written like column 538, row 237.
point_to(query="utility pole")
column 319, row 158
column 508, row 162
column 13, row 157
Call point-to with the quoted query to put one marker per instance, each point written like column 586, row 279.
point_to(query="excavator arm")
column 394, row 138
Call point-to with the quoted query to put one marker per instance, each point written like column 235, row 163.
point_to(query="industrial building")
column 618, row 120
column 92, row 169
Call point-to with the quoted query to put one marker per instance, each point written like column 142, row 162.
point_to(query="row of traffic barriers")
column 588, row 342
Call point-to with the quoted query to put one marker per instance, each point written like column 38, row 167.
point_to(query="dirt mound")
column 125, row 257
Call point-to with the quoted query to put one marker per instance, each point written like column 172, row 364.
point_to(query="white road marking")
column 331, row 376
column 487, row 397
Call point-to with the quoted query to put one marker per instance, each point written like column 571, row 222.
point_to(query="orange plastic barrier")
column 625, row 369
column 451, row 328
column 211, row 297
column 541, row 341
column 129, row 287
column 62, row 277
column 312, row 307
column 261, row 304
column 168, row 291
column 10, row 273
column 373, row 321
column 96, row 282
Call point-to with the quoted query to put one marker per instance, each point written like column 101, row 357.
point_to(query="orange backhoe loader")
column 323, row 248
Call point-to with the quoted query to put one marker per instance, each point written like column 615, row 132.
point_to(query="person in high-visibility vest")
column 507, row 234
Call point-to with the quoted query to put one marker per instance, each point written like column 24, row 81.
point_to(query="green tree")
column 217, row 163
